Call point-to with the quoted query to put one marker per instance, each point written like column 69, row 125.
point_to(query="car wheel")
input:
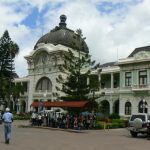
column 133, row 134
column 137, row 123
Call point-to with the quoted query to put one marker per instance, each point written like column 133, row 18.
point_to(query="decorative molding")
column 142, row 54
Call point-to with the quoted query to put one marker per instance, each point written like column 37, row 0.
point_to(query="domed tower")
column 44, row 60
column 64, row 36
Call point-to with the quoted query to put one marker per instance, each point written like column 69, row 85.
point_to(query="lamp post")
column 143, row 105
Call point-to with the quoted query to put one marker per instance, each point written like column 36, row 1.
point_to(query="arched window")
column 44, row 84
column 116, row 106
column 41, row 58
column 143, row 107
column 127, row 108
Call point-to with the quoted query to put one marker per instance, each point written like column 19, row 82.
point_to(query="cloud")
column 133, row 31
column 102, row 30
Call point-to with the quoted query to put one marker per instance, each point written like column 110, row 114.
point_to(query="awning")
column 73, row 104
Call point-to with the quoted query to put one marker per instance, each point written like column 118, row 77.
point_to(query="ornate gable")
column 142, row 55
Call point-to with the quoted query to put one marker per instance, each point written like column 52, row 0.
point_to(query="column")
column 112, row 81
column 111, row 105
column 99, row 80
column 18, row 106
column 88, row 80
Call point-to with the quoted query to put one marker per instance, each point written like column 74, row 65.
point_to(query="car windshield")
column 142, row 117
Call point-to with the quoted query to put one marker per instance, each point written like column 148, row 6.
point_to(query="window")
column 143, row 107
column 143, row 77
column 127, row 108
column 44, row 84
column 44, row 58
column 128, row 79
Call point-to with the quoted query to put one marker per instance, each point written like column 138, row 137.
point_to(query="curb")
column 55, row 129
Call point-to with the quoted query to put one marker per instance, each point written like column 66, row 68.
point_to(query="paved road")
column 45, row 139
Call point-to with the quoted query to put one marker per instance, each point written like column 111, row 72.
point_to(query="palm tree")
column 17, row 90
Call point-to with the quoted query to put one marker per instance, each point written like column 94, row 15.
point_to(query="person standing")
column 7, row 119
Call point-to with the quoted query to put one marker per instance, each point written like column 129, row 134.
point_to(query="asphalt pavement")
column 26, row 138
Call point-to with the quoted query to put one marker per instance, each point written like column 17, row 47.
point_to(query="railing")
column 126, row 88
column 110, row 90
column 24, row 94
column 42, row 93
column 140, row 87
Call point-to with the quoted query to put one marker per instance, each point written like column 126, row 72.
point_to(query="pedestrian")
column 39, row 119
column 75, row 122
column 7, row 119
column 33, row 118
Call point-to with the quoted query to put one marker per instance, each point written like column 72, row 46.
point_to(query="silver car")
column 138, row 123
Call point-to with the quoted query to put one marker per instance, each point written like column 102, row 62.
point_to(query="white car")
column 138, row 123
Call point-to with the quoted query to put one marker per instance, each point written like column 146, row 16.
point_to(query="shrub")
column 112, row 124
column 118, row 123
column 114, row 116
column 22, row 116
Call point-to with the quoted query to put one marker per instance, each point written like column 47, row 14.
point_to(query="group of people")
column 64, row 120
column 7, row 119
column 36, row 119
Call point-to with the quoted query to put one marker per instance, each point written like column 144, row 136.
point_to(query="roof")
column 64, row 36
column 73, row 104
column 108, row 64
column 145, row 48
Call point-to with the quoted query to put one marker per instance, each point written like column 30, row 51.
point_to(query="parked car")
column 138, row 123
column 44, row 112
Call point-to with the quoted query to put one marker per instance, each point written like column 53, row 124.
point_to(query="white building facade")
column 124, row 85
column 44, row 61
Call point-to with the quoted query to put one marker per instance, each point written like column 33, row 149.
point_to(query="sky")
column 113, row 28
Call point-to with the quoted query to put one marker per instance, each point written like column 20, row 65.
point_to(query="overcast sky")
column 113, row 28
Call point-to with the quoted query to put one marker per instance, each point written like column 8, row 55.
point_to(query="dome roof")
column 62, row 35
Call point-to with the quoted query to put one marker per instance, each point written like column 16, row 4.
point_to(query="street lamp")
column 143, row 105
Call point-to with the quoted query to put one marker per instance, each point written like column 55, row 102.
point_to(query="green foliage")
column 94, row 82
column 74, row 85
column 4, row 86
column 22, row 116
column 112, row 124
column 16, row 90
column 118, row 123
column 114, row 116
column 8, row 51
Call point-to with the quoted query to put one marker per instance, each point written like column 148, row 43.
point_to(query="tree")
column 94, row 85
column 8, row 51
column 77, row 70
column 4, row 85
column 17, row 90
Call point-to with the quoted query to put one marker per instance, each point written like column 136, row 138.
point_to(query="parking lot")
column 48, row 139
